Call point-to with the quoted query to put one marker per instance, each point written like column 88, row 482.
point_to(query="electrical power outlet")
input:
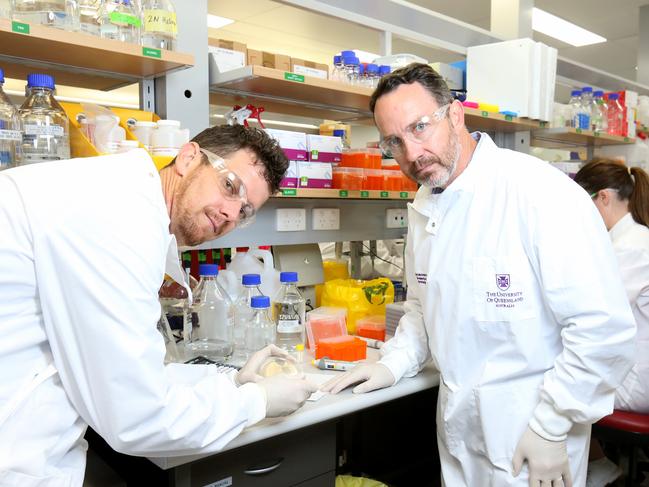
column 326, row 219
column 396, row 218
column 291, row 219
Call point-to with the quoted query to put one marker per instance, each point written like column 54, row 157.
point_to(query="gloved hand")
column 547, row 461
column 370, row 376
column 285, row 395
column 250, row 371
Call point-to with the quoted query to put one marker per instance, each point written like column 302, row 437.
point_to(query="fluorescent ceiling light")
column 364, row 56
column 216, row 22
column 565, row 31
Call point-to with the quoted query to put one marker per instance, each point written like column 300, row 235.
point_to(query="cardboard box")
column 226, row 55
column 292, row 143
column 309, row 68
column 268, row 60
column 314, row 174
column 451, row 74
column 290, row 176
column 324, row 148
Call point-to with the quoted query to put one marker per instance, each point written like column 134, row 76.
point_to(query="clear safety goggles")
column 231, row 188
column 418, row 132
column 594, row 195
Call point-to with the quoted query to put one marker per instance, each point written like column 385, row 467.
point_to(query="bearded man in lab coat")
column 84, row 247
column 513, row 291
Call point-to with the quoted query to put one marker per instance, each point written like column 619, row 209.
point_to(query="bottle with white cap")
column 166, row 139
column 143, row 131
column 45, row 124
column 128, row 145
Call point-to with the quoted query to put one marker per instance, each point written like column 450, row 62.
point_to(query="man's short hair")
column 413, row 73
column 225, row 140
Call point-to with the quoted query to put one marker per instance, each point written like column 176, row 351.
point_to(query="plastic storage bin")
column 371, row 327
column 325, row 322
column 346, row 347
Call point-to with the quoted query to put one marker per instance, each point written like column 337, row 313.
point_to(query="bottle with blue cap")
column 289, row 309
column 44, row 122
column 208, row 331
column 260, row 329
column 10, row 135
column 243, row 311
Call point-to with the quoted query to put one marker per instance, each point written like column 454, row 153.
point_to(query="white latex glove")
column 250, row 371
column 370, row 376
column 285, row 395
column 547, row 461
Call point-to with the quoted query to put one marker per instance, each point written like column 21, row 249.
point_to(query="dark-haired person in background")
column 621, row 194
column 84, row 247
column 512, row 291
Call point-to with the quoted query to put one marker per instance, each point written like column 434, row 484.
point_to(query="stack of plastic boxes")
column 364, row 169
column 311, row 158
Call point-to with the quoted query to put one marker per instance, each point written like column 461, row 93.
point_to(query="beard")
column 184, row 226
column 447, row 164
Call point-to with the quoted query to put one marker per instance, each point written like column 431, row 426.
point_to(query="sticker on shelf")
column 293, row 77
column 151, row 52
column 19, row 27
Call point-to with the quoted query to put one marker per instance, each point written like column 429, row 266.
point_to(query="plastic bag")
column 349, row 481
column 361, row 298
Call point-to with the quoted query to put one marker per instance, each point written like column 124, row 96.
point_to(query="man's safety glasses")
column 231, row 187
column 419, row 132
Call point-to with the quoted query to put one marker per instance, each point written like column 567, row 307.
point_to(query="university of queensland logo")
column 502, row 281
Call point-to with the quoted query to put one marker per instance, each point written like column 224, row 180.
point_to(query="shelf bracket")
column 147, row 95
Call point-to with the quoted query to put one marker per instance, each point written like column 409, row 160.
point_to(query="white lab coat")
column 83, row 248
column 631, row 244
column 514, row 292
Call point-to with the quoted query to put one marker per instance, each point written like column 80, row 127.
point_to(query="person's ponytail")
column 639, row 198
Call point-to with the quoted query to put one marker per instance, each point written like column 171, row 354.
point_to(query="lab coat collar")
column 621, row 227
column 425, row 198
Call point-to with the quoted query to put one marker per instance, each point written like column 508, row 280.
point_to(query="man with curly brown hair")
column 84, row 246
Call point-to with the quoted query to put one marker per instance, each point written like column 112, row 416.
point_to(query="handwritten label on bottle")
column 160, row 21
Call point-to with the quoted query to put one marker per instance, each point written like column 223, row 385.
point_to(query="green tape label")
column 509, row 118
column 626, row 139
column 19, row 27
column 122, row 19
column 150, row 52
column 403, row 194
column 578, row 131
column 365, row 194
column 293, row 77
column 343, row 193
column 485, row 114
column 544, row 124
column 289, row 192
column 385, row 194
column 596, row 134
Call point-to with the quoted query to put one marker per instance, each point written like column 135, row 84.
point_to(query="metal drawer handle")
column 263, row 470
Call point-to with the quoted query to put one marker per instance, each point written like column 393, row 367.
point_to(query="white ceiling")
column 269, row 25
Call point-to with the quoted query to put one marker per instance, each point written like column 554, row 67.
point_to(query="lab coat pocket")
column 503, row 289
column 505, row 410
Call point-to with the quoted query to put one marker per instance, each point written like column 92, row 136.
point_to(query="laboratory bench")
column 388, row 435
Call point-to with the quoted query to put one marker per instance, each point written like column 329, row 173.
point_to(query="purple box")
column 292, row 143
column 324, row 148
column 290, row 176
column 314, row 174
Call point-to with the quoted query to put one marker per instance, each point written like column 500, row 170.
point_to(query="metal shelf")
column 345, row 194
column 273, row 88
column 559, row 138
column 81, row 60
